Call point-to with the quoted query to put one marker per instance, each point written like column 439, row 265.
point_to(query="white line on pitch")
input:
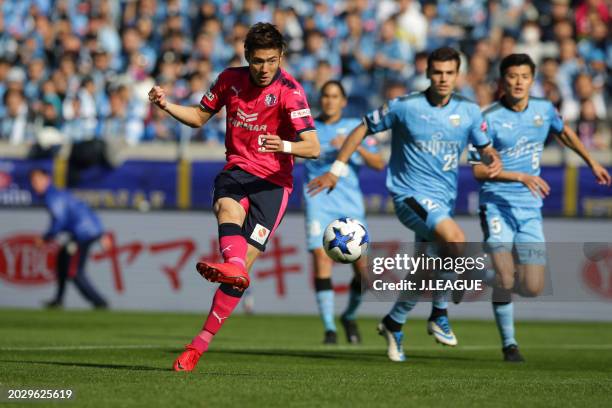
column 92, row 347
column 306, row 349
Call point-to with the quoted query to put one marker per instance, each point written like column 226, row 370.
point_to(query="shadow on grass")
column 121, row 367
column 90, row 365
column 356, row 355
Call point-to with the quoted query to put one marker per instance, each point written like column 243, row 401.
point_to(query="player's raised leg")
column 224, row 302
column 232, row 244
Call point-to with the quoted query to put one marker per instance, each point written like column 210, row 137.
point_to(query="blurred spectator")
column 357, row 53
column 569, row 67
column 317, row 49
column 439, row 32
column 93, row 57
column 161, row 127
column 589, row 128
column 392, row 58
column 79, row 121
column 13, row 124
column 323, row 73
column 587, row 10
column 585, row 91
column 118, row 124
column 419, row 81
column 412, row 24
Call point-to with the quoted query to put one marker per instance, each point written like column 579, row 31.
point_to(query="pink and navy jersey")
column 280, row 109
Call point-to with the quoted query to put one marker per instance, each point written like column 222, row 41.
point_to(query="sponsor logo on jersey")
column 270, row 100
column 435, row 147
column 523, row 147
column 209, row 95
column 244, row 120
column 302, row 113
column 246, row 117
column 455, row 120
column 260, row 234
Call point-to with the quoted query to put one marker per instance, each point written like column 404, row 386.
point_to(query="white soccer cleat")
column 441, row 330
column 395, row 350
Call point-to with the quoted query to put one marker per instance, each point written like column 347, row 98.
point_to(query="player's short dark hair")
column 444, row 54
column 263, row 36
column 334, row 82
column 514, row 60
column 39, row 170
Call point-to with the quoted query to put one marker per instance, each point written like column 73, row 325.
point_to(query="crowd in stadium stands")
column 84, row 67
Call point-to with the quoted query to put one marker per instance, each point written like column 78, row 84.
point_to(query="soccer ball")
column 345, row 240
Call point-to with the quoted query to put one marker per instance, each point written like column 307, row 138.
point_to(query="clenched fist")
column 157, row 96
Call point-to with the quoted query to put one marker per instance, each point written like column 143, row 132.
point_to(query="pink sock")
column 223, row 305
column 233, row 249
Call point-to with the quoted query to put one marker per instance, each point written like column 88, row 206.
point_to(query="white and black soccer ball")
column 345, row 240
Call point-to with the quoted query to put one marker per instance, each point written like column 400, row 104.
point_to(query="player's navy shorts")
column 264, row 202
column 520, row 228
column 422, row 213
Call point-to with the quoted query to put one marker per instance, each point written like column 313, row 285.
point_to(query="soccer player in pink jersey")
column 268, row 122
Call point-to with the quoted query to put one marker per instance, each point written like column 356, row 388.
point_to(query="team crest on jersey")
column 270, row 100
column 538, row 120
column 455, row 120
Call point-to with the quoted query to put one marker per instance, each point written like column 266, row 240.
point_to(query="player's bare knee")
column 531, row 290
column 228, row 210
column 457, row 237
column 322, row 264
column 506, row 281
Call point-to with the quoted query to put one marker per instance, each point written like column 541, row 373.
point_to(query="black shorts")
column 264, row 202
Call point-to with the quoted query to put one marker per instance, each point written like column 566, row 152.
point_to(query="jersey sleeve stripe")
column 207, row 109
column 308, row 129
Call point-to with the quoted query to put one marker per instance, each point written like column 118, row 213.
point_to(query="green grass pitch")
column 116, row 359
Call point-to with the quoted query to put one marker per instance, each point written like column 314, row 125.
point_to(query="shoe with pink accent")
column 187, row 360
column 229, row 273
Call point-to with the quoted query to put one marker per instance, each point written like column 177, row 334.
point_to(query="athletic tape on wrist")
column 339, row 169
column 286, row 146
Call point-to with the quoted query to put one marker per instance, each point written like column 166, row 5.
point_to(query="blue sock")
column 438, row 299
column 354, row 300
column 400, row 310
column 504, row 317
column 325, row 303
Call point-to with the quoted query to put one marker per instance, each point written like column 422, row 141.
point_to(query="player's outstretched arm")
column 192, row 116
column 570, row 139
column 374, row 160
column 328, row 180
column 536, row 184
column 371, row 159
column 307, row 148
